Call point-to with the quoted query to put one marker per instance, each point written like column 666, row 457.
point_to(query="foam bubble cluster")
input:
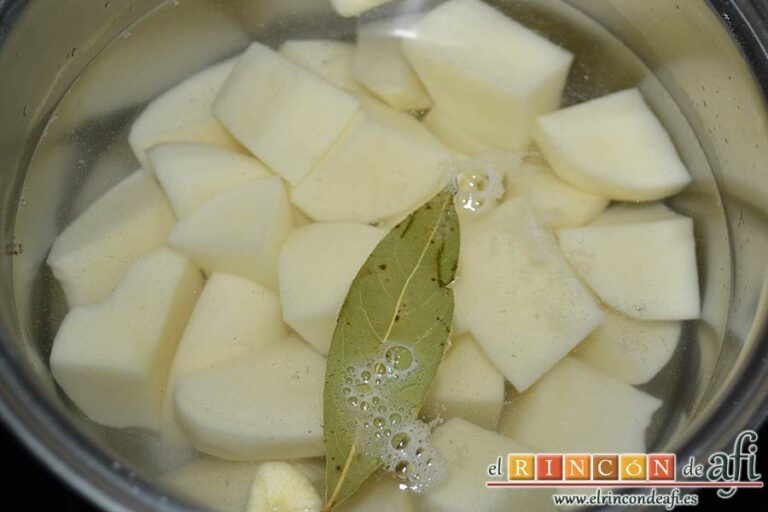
column 477, row 183
column 389, row 431
column 412, row 458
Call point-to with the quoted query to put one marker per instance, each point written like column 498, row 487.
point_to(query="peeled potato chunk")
column 491, row 75
column 239, row 231
column 314, row 469
column 112, row 358
column 556, row 203
column 278, row 486
column 468, row 450
column 646, row 270
column 332, row 60
column 467, row 385
column 317, row 264
column 285, row 115
column 218, row 484
column 193, row 173
column 400, row 121
column 630, row 350
column 517, row 295
column 577, row 408
column 628, row 213
column 225, row 486
column 267, row 404
column 452, row 134
column 183, row 114
column 613, row 146
column 380, row 493
column 351, row 8
column 90, row 256
column 349, row 185
column 381, row 67
column 233, row 316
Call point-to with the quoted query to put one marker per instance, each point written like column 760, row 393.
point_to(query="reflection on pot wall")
column 686, row 48
column 682, row 59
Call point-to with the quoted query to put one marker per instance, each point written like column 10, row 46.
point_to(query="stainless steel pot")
column 76, row 72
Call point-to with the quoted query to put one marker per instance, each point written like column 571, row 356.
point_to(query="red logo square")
column 662, row 466
column 549, row 467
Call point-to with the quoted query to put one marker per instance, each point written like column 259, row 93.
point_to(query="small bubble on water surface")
column 398, row 358
column 401, row 469
column 400, row 441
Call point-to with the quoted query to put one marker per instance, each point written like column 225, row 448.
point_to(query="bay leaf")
column 390, row 338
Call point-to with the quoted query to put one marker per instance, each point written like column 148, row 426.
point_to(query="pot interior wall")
column 82, row 72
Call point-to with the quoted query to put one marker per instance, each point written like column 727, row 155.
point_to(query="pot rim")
column 45, row 429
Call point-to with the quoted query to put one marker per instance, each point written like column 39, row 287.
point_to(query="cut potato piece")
column 317, row 264
column 192, row 173
column 491, row 76
column 469, row 450
column 614, row 147
column 630, row 350
column 349, row 185
column 350, row 8
column 183, row 114
column 400, row 121
column 458, row 328
column 278, row 486
column 380, row 493
column 628, row 213
column 577, row 408
column 314, row 470
column 332, row 60
column 452, row 135
column 380, row 66
column 556, row 203
column 233, row 316
column 467, row 385
column 300, row 218
column 285, row 115
column 239, row 231
column 646, row 270
column 112, row 358
column 267, row 404
column 90, row 256
column 223, row 486
column 518, row 296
